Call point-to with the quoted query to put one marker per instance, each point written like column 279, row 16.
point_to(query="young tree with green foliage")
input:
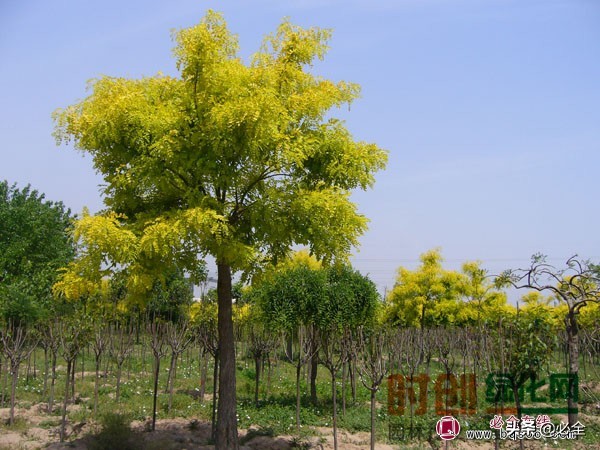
column 34, row 244
column 302, row 297
column 288, row 300
column 236, row 161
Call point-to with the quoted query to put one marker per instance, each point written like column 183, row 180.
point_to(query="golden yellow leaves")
column 104, row 238
column 72, row 285
column 327, row 221
column 203, row 46
column 106, row 244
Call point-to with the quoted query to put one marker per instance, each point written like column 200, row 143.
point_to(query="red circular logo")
column 447, row 428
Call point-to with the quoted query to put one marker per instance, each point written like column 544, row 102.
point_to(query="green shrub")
column 115, row 434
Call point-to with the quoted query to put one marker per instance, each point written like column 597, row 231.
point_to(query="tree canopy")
column 302, row 292
column 426, row 296
column 198, row 162
column 434, row 296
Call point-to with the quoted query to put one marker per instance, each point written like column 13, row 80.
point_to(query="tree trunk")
column 96, row 382
column 27, row 370
column 298, row 367
column 119, row 370
column 52, row 384
column 14, row 369
column 344, row 379
column 171, row 381
column 155, row 393
column 314, row 359
column 422, row 336
column 170, row 373
column 334, row 417
column 83, row 363
column 517, row 397
column 215, row 396
column 257, row 368
column 4, row 383
column 106, row 368
column 373, row 415
column 63, row 421
column 143, row 356
column 289, row 347
column 46, row 368
column 269, row 375
column 203, row 371
column 573, row 347
column 33, row 355
column 73, row 369
column 227, row 436
column 353, row 379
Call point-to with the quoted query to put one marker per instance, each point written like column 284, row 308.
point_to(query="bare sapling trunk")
column 445, row 341
column 208, row 339
column 407, row 351
column 352, row 373
column 335, row 347
column 344, row 381
column 573, row 346
column 99, row 346
column 72, row 386
column 171, row 380
column 261, row 343
column 14, row 370
column 206, row 335
column 372, row 367
column 305, row 349
column 215, row 396
column 121, row 346
column 72, row 335
column 179, row 338
column 258, row 359
column 270, row 365
column 17, row 343
column 157, row 342
column 4, row 384
column 63, row 422
column 334, row 415
column 203, row 361
column 314, row 364
column 46, row 371
column 54, row 355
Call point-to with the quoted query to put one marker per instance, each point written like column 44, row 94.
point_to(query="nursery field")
column 122, row 417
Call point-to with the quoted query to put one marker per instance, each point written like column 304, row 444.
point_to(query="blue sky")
column 490, row 111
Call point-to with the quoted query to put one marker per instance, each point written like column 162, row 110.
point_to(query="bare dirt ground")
column 35, row 431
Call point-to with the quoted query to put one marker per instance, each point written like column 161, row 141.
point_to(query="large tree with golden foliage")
column 234, row 160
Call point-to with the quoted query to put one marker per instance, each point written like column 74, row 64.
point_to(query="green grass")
column 19, row 425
